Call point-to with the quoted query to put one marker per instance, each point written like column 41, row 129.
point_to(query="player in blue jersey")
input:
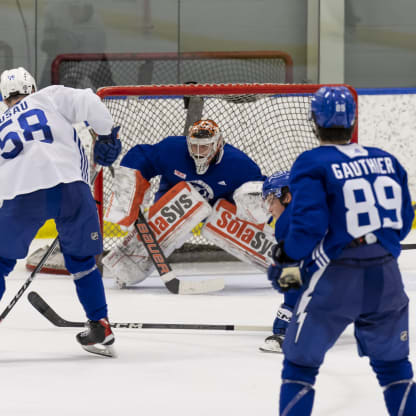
column 202, row 159
column 351, row 208
column 44, row 174
column 277, row 197
column 215, row 168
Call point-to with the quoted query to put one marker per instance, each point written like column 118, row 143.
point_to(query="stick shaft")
column 46, row 310
column 29, row 280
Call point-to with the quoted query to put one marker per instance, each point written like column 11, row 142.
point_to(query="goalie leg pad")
column 172, row 219
column 128, row 261
column 245, row 240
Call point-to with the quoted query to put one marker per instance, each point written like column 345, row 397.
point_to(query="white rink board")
column 389, row 122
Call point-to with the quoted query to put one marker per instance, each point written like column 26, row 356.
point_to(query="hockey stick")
column 172, row 283
column 408, row 246
column 29, row 280
column 44, row 309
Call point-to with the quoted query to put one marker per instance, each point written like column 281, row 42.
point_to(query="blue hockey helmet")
column 333, row 107
column 274, row 184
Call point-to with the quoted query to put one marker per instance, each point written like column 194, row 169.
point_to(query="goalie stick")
column 44, row 309
column 172, row 283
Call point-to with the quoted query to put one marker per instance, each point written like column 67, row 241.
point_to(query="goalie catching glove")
column 284, row 275
column 107, row 148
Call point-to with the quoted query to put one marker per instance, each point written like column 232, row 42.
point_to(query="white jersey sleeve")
column 39, row 147
column 78, row 105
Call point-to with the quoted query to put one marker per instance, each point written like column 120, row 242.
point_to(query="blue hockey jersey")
column 281, row 227
column 342, row 192
column 170, row 159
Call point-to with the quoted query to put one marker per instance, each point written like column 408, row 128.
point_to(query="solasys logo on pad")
column 244, row 239
column 180, row 206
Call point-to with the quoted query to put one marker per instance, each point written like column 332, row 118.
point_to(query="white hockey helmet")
column 205, row 143
column 16, row 81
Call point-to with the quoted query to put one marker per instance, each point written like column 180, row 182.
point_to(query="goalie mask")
column 205, row 144
column 16, row 81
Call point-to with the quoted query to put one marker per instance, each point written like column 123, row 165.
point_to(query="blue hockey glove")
column 107, row 148
column 279, row 255
column 284, row 275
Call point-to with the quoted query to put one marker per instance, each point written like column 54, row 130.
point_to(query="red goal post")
column 270, row 122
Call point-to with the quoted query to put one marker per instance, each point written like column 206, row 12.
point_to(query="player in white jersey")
column 45, row 175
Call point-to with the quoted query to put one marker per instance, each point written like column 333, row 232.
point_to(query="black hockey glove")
column 107, row 148
column 284, row 275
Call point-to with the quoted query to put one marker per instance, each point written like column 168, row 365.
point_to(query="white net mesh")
column 272, row 128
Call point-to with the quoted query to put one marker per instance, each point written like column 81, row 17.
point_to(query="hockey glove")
column 285, row 273
column 107, row 148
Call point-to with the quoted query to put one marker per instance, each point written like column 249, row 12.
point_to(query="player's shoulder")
column 50, row 90
column 235, row 154
column 52, row 93
column 173, row 141
column 377, row 152
column 311, row 156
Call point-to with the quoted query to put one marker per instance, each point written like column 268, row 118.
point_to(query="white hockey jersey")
column 39, row 148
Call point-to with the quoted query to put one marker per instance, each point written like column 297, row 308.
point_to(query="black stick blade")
column 44, row 309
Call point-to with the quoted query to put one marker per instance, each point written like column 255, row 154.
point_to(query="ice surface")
column 166, row 372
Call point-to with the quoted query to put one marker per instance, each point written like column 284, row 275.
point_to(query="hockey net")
column 269, row 122
column 98, row 69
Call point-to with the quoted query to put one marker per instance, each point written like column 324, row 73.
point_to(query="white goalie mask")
column 205, row 143
column 15, row 82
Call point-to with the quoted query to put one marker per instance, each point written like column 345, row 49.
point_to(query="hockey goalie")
column 202, row 180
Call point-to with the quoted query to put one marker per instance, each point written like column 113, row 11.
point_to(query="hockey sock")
column 90, row 291
column 6, row 266
column 296, row 392
column 89, row 285
column 399, row 389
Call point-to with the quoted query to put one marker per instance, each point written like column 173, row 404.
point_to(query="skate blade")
column 271, row 349
column 104, row 350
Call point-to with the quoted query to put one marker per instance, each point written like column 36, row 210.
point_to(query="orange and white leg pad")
column 249, row 242
column 172, row 219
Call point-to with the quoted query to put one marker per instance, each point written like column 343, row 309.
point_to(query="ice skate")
column 273, row 343
column 98, row 338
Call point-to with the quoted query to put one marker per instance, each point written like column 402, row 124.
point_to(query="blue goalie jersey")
column 342, row 192
column 170, row 159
